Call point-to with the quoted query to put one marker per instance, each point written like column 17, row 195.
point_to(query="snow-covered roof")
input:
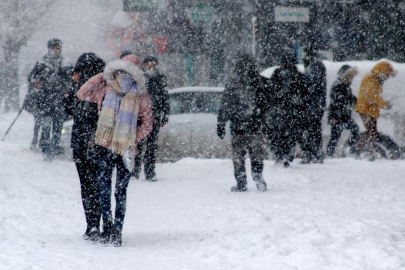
column 196, row 89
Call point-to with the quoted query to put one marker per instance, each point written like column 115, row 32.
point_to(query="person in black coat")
column 243, row 103
column 342, row 102
column 315, row 105
column 283, row 117
column 156, row 84
column 85, row 117
column 50, row 79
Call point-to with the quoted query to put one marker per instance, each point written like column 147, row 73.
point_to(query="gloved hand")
column 221, row 131
column 389, row 106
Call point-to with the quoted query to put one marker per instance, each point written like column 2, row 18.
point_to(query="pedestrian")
column 369, row 103
column 284, row 115
column 125, row 118
column 342, row 102
column 50, row 79
column 156, row 84
column 241, row 104
column 85, row 117
column 315, row 106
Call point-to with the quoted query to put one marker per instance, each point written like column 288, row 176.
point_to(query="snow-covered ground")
column 344, row 214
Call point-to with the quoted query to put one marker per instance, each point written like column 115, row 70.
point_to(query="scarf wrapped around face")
column 118, row 119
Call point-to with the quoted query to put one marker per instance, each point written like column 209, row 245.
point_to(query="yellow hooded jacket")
column 369, row 99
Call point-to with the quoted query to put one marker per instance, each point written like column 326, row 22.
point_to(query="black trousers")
column 282, row 142
column 150, row 152
column 254, row 144
column 87, row 169
column 336, row 131
column 311, row 141
column 54, row 124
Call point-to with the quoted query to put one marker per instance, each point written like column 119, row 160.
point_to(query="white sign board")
column 291, row 14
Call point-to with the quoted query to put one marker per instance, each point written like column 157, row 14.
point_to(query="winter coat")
column 55, row 78
column 316, row 94
column 95, row 88
column 85, row 113
column 288, row 86
column 156, row 87
column 369, row 100
column 243, row 102
column 342, row 102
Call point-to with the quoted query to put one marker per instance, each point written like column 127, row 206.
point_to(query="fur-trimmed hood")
column 133, row 70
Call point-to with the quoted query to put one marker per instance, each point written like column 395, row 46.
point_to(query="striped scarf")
column 118, row 119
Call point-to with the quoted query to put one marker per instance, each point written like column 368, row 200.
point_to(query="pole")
column 18, row 115
column 254, row 29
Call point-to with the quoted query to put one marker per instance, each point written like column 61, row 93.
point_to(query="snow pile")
column 344, row 214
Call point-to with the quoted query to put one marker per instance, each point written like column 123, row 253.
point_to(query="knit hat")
column 150, row 59
column 125, row 53
column 54, row 42
column 342, row 70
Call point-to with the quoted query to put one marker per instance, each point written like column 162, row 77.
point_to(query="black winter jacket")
column 243, row 103
column 156, row 86
column 55, row 78
column 85, row 114
column 342, row 102
column 289, row 87
column 316, row 96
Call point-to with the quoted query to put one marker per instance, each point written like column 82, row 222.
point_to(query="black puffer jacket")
column 316, row 96
column 85, row 114
column 156, row 86
column 55, row 77
column 342, row 102
column 289, row 88
column 244, row 100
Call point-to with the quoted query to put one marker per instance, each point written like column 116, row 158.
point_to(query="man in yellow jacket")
column 370, row 101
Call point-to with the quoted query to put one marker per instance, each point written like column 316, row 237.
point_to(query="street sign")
column 201, row 15
column 291, row 14
column 139, row 5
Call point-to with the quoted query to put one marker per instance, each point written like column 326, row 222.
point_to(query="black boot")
column 105, row 236
column 116, row 237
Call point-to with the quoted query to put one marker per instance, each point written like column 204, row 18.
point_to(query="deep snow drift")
column 344, row 214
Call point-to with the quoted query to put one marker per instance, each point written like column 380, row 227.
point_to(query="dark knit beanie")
column 150, row 59
column 54, row 42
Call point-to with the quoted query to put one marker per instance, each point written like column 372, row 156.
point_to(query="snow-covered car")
column 192, row 127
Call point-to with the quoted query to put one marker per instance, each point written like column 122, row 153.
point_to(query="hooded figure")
column 341, row 105
column 242, row 104
column 283, row 118
column 125, row 118
column 315, row 104
column 370, row 101
column 85, row 116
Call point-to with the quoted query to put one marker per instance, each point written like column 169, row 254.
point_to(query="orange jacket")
column 369, row 100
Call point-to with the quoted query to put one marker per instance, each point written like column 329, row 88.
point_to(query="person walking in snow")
column 85, row 117
column 242, row 104
column 50, row 79
column 342, row 102
column 369, row 103
column 315, row 100
column 156, row 84
column 283, row 117
column 125, row 119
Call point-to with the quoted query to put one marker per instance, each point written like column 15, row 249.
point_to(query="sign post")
column 139, row 5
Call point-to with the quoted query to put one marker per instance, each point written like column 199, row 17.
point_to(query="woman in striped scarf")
column 125, row 118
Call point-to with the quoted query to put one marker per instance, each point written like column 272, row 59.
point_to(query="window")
column 195, row 102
